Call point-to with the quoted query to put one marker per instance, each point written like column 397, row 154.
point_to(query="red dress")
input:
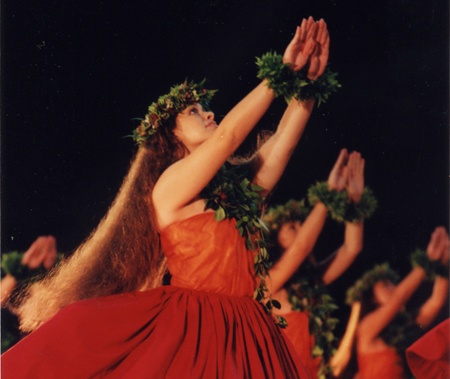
column 204, row 325
column 384, row 364
column 429, row 356
column 298, row 333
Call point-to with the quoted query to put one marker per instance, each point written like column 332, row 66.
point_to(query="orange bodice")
column 384, row 363
column 207, row 255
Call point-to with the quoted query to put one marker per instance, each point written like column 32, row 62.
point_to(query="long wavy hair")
column 123, row 253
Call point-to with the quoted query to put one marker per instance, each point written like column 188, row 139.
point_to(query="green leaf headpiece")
column 380, row 272
column 168, row 106
column 293, row 210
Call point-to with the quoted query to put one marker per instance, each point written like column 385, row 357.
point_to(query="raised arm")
column 354, row 231
column 371, row 326
column 340, row 359
column 309, row 232
column 309, row 45
column 194, row 172
column 437, row 250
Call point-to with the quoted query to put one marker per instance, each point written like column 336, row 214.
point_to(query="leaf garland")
column 231, row 195
column 380, row 272
column 432, row 268
column 168, row 106
column 12, row 265
column 295, row 84
column 308, row 294
column 293, row 210
column 339, row 205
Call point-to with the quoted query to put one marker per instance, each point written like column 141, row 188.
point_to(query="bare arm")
column 276, row 152
column 372, row 325
column 354, row 231
column 302, row 245
column 437, row 250
column 194, row 172
column 309, row 232
column 340, row 359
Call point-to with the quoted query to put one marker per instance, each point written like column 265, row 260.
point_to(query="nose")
column 208, row 115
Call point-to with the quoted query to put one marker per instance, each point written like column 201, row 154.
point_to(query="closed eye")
column 193, row 110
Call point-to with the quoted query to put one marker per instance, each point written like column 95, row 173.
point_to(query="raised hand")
column 438, row 247
column 355, row 183
column 319, row 57
column 302, row 45
column 338, row 177
column 41, row 252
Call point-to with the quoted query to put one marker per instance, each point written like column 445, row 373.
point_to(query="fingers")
column 322, row 32
column 342, row 157
column 438, row 246
column 41, row 252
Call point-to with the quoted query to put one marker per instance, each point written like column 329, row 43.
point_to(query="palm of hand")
column 355, row 190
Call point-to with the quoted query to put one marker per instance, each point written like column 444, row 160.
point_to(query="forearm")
column 433, row 305
column 301, row 247
column 274, row 155
column 347, row 253
column 241, row 119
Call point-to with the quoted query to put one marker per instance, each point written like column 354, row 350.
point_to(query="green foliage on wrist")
column 290, row 84
column 12, row 265
column 341, row 208
column 432, row 269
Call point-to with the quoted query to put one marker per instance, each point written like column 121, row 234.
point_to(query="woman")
column 301, row 293
column 385, row 330
column 206, row 323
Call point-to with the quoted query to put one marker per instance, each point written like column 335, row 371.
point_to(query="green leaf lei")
column 168, row 106
column 432, row 268
column 293, row 210
column 231, row 195
column 290, row 84
column 378, row 273
column 307, row 293
column 12, row 265
column 339, row 205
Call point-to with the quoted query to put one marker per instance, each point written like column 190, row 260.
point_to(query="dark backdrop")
column 74, row 74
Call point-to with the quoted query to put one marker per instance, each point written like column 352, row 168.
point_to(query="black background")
column 74, row 74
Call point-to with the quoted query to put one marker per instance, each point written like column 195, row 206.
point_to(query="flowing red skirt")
column 429, row 356
column 167, row 332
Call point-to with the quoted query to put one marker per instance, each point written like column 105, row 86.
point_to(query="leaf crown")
column 169, row 105
column 381, row 272
column 292, row 210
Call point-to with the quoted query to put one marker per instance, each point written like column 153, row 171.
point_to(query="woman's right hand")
column 355, row 183
column 301, row 46
column 41, row 252
column 310, row 45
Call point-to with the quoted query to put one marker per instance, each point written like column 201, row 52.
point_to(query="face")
column 382, row 291
column 287, row 233
column 194, row 125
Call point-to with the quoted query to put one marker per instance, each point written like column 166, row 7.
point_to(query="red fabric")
column 168, row 332
column 298, row 333
column 384, row 364
column 429, row 356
